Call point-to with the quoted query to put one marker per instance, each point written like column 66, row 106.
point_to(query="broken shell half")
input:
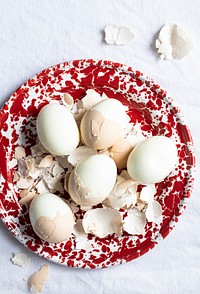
column 173, row 42
column 135, row 222
column 153, row 211
column 147, row 193
column 81, row 237
column 118, row 35
column 91, row 98
column 102, row 222
column 123, row 194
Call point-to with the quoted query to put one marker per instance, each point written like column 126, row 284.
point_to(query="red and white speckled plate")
column 148, row 105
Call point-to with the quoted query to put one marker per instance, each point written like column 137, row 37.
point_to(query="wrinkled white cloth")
column 35, row 34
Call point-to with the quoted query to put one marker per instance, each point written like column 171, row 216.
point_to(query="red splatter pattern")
column 148, row 105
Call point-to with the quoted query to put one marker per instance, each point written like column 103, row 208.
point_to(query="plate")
column 149, row 106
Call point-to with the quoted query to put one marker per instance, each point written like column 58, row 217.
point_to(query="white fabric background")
column 36, row 34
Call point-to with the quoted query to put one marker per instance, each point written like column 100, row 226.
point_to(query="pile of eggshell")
column 90, row 149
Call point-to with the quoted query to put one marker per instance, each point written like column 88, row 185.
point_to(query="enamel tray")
column 149, row 106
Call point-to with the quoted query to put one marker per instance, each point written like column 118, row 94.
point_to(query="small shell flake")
column 118, row 35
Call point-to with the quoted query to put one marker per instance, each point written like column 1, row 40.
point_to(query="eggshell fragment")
column 79, row 154
column 153, row 211
column 81, row 239
column 19, row 152
column 102, row 222
column 181, row 43
column 173, row 42
column 135, row 222
column 23, row 183
column 20, row 259
column 147, row 194
column 123, row 194
column 37, row 280
column 91, row 98
column 46, row 161
column 118, row 35
column 27, row 198
column 12, row 163
column 68, row 100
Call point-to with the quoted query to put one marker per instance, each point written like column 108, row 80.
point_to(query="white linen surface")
column 37, row 34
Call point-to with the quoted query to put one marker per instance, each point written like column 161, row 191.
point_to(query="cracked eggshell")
column 57, row 129
column 181, row 43
column 104, row 124
column 92, row 180
column 124, row 193
column 153, row 211
column 20, row 259
column 147, row 194
column 173, row 42
column 91, row 98
column 51, row 218
column 102, row 222
column 152, row 160
column 135, row 222
column 118, row 35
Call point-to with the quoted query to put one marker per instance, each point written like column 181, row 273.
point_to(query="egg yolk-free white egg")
column 152, row 160
column 92, row 180
column 57, row 129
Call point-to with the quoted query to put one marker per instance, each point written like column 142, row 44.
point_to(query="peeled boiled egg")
column 104, row 124
column 51, row 217
column 57, row 129
column 152, row 160
column 92, row 180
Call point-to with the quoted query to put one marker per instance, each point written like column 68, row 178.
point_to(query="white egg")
column 92, row 180
column 51, row 217
column 57, row 129
column 104, row 124
column 152, row 160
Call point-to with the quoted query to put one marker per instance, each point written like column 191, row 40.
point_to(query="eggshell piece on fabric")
column 173, row 42
column 118, row 35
